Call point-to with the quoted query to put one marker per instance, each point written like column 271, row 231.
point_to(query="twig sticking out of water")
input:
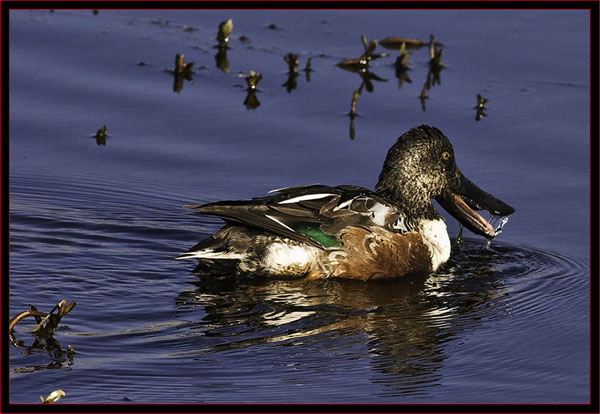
column 292, row 61
column 291, row 82
column 362, row 62
column 225, row 29
column 43, row 334
column 101, row 136
column 180, row 66
column 480, row 107
column 46, row 322
column 50, row 319
column 182, row 71
column 435, row 68
column 401, row 65
column 435, row 54
column 252, row 79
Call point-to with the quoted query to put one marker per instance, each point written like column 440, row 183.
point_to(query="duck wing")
column 314, row 214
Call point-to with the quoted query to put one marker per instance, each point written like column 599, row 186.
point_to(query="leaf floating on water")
column 397, row 42
column 53, row 396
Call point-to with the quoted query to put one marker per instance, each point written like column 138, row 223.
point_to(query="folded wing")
column 313, row 214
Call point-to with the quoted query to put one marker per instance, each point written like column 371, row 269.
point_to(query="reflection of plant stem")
column 221, row 58
column 433, row 74
column 352, row 132
column 423, row 94
column 307, row 69
column 352, row 113
column 251, row 101
column 459, row 238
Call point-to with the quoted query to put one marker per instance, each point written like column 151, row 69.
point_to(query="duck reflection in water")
column 406, row 324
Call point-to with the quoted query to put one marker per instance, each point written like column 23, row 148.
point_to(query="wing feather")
column 293, row 208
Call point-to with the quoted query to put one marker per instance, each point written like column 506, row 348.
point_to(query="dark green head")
column 421, row 166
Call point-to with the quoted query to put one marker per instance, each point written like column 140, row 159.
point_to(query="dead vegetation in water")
column 434, row 71
column 252, row 79
column 43, row 338
column 407, row 47
column 480, row 107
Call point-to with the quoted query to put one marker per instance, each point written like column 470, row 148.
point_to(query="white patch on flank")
column 435, row 236
column 379, row 214
column 305, row 197
column 210, row 254
column 283, row 258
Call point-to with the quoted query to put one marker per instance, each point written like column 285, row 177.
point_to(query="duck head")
column 420, row 167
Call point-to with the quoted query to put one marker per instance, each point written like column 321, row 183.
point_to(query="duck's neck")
column 409, row 198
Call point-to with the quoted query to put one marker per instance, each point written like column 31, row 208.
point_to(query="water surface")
column 99, row 222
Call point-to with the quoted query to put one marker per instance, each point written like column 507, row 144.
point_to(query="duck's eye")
column 446, row 155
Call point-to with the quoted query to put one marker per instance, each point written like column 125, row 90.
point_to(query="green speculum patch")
column 317, row 234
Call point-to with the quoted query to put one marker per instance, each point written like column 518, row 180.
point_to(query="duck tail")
column 217, row 246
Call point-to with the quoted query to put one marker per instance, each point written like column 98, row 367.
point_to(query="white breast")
column 435, row 235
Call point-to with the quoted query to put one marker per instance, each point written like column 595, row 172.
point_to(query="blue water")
column 101, row 224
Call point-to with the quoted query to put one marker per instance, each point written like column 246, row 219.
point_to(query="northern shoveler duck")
column 351, row 232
